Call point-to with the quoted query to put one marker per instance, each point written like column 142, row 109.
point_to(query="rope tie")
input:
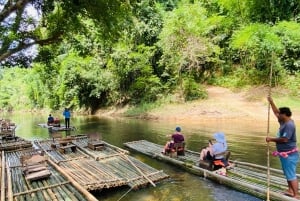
column 284, row 154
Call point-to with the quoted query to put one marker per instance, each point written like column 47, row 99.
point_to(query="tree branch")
column 23, row 46
column 11, row 8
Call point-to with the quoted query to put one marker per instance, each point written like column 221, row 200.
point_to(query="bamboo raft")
column 12, row 142
column 7, row 127
column 56, row 187
column 61, row 127
column 103, row 167
column 245, row 177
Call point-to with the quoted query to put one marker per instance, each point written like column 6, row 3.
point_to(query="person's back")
column 50, row 119
column 215, row 154
column 67, row 113
column 220, row 147
column 177, row 136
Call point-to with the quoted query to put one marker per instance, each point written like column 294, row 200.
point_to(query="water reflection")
column 246, row 140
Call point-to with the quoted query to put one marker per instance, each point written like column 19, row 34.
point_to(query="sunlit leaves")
column 256, row 37
column 186, row 42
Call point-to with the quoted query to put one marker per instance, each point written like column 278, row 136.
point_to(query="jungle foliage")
column 92, row 54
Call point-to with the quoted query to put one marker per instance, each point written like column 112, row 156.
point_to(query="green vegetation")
column 94, row 54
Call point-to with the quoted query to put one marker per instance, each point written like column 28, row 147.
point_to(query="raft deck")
column 245, row 177
column 96, row 169
column 12, row 142
column 55, row 128
column 18, row 187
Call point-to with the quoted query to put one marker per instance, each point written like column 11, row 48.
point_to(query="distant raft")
column 12, row 142
column 56, row 128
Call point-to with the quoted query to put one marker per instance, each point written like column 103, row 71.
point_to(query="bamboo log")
column 71, row 159
column 89, row 196
column 116, row 148
column 138, row 169
column 41, row 188
column 3, row 177
column 9, row 185
column 259, row 167
column 44, row 192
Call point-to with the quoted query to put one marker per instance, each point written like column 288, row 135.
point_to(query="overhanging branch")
column 23, row 46
column 11, row 8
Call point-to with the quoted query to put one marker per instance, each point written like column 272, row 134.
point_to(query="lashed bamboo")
column 110, row 171
column 41, row 189
column 82, row 190
column 138, row 169
column 125, row 170
column 45, row 187
column 72, row 159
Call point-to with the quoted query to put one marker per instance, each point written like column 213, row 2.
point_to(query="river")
column 246, row 141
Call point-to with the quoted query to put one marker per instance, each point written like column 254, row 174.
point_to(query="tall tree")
column 25, row 23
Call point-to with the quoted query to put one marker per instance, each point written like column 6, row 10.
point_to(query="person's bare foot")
column 288, row 193
column 296, row 197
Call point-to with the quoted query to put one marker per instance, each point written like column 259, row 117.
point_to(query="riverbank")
column 222, row 103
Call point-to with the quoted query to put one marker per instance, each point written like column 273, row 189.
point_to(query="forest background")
column 145, row 54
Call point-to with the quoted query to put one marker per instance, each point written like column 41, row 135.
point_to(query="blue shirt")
column 67, row 114
column 287, row 130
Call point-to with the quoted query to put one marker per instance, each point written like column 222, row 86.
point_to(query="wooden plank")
column 63, row 149
column 38, row 175
column 35, row 169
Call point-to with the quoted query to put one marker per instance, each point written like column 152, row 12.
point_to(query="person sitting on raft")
column 50, row 119
column 177, row 137
column 215, row 153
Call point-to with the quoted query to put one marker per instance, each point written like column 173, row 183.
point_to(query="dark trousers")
column 67, row 122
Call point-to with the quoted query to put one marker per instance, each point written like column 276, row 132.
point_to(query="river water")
column 246, row 141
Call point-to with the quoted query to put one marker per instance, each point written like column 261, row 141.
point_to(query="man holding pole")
column 286, row 144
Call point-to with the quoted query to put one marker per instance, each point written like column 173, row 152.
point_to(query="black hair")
column 286, row 111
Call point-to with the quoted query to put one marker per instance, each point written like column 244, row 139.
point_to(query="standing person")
column 286, row 145
column 176, row 137
column 67, row 115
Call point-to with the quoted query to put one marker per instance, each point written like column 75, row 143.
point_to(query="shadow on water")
column 246, row 141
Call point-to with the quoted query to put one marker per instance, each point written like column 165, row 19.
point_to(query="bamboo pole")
column 3, row 177
column 138, row 169
column 268, row 132
column 87, row 194
column 9, row 185
column 45, row 187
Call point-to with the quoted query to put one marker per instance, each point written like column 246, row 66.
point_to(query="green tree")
column 289, row 33
column 258, row 48
column 54, row 20
column 265, row 11
column 188, row 44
